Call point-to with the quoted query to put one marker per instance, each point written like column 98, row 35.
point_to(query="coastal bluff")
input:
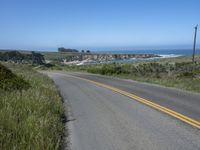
column 81, row 58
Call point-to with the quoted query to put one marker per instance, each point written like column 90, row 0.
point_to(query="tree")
column 17, row 57
column 37, row 58
column 62, row 49
column 14, row 56
column 88, row 51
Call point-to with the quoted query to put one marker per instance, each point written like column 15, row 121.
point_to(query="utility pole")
column 32, row 52
column 194, row 47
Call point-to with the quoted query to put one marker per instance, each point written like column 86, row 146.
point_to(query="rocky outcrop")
column 84, row 58
column 110, row 57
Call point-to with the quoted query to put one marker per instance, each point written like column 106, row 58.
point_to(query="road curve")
column 103, row 119
column 183, row 102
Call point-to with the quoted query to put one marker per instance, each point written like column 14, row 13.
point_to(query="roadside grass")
column 61, row 67
column 31, row 118
column 187, row 84
column 9, row 81
column 175, row 72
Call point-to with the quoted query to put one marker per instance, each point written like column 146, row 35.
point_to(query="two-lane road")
column 103, row 119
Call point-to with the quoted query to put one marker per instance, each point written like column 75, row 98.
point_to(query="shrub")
column 10, row 81
column 186, row 74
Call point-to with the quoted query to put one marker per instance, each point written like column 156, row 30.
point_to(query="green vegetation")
column 9, row 81
column 172, row 72
column 20, row 57
column 57, row 57
column 31, row 118
column 73, row 68
column 62, row 49
column 178, row 73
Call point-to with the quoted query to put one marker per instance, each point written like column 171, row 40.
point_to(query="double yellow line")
column 149, row 103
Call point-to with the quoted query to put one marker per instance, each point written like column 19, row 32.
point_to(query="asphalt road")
column 186, row 103
column 102, row 119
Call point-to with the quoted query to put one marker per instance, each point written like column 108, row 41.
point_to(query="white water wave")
column 170, row 56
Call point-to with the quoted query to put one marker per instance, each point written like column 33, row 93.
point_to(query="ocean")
column 163, row 53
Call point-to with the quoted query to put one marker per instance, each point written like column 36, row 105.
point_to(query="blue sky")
column 98, row 24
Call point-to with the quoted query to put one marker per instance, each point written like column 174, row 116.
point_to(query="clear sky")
column 98, row 24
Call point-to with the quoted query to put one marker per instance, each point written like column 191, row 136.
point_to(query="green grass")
column 9, row 81
column 187, row 84
column 31, row 119
column 179, row 59
column 172, row 72
column 175, row 72
column 56, row 56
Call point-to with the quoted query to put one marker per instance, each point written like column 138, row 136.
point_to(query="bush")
column 149, row 70
column 186, row 74
column 10, row 81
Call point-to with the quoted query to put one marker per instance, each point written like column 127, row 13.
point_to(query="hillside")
column 10, row 81
column 31, row 118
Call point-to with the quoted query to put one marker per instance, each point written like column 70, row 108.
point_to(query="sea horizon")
column 162, row 52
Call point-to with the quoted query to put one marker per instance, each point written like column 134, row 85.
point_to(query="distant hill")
column 18, row 57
